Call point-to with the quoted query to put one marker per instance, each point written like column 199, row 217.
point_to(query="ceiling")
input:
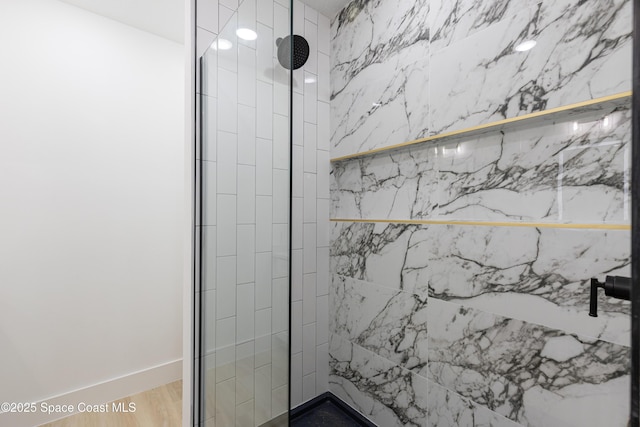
column 166, row 17
column 161, row 17
column 328, row 8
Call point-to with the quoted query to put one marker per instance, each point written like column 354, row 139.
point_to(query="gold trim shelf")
column 598, row 104
column 491, row 223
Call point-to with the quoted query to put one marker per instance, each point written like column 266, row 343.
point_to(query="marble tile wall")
column 402, row 71
column 455, row 323
column 245, row 168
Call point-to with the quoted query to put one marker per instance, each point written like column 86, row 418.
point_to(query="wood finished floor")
column 159, row 407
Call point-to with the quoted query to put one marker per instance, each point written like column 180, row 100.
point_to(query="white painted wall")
column 91, row 200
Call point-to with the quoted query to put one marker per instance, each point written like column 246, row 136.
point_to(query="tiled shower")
column 441, row 248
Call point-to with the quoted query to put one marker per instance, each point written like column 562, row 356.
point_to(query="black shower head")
column 300, row 51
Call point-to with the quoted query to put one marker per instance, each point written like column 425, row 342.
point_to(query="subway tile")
column 226, row 230
column 247, row 20
column 324, row 34
column 246, row 248
column 308, row 348
column 231, row 4
column 247, row 75
column 245, row 314
column 310, row 98
column 322, row 274
column 263, row 394
column 226, row 287
column 209, row 128
column 309, row 386
column 324, row 87
column 228, row 58
column 281, row 142
column 296, row 378
column 208, row 325
column 246, row 135
column 228, row 96
column 280, row 251
column 207, row 16
column 263, row 280
column 226, row 349
column 298, row 17
column 226, row 402
column 309, row 298
column 296, row 330
column 246, row 194
column 279, row 400
column 281, row 198
column 322, row 319
column 264, row 128
column 281, row 24
column 323, row 174
column 209, row 257
column 309, row 197
column 264, row 13
column 309, row 251
column 210, row 185
column 322, row 369
column 227, row 163
column 265, row 46
column 264, row 167
column 298, row 172
column 311, row 34
column 322, row 222
column 297, row 222
column 280, row 357
column 324, row 131
column 280, row 313
column 310, row 143
column 264, row 223
column 297, row 274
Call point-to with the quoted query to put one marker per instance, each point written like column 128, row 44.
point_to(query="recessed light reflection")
column 525, row 46
column 575, row 126
column 246, row 34
column 605, row 122
column 309, row 80
column 221, row 44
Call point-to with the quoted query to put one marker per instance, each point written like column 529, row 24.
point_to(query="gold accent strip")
column 487, row 126
column 491, row 223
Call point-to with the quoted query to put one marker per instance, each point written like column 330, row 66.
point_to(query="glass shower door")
column 242, row 275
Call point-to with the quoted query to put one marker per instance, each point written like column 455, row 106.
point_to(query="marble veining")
column 553, row 173
column 450, row 21
column 448, row 409
column 538, row 275
column 509, row 365
column 582, row 52
column 380, row 52
column 384, row 392
column 390, row 323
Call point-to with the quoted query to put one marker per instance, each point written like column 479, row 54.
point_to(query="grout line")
column 490, row 223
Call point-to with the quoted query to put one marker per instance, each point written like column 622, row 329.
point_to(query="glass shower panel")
column 242, row 280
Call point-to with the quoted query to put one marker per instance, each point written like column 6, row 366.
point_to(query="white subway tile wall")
column 246, row 148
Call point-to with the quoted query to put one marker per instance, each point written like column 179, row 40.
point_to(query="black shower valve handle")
column 614, row 286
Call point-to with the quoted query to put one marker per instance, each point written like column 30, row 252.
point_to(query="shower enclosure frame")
column 196, row 406
column 635, row 223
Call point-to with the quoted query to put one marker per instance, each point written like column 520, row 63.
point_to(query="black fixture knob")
column 614, row 286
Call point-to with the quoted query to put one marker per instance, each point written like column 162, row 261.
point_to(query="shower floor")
column 326, row 414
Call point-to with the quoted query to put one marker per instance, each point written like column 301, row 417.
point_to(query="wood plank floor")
column 159, row 407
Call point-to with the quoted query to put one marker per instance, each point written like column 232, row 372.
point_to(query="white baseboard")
column 104, row 392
